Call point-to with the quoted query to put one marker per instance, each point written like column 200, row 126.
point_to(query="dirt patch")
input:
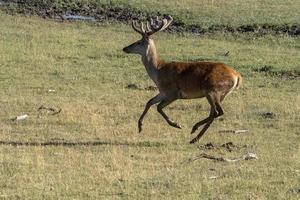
column 109, row 12
column 229, row 146
column 296, row 190
column 151, row 88
column 208, row 146
column 287, row 74
column 284, row 74
column 55, row 9
column 265, row 69
column 134, row 86
column 268, row 115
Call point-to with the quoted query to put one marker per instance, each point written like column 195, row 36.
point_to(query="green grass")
column 279, row 15
column 100, row 155
column 224, row 12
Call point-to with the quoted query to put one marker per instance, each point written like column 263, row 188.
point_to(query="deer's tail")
column 239, row 81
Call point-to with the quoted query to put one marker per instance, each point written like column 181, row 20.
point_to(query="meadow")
column 219, row 12
column 92, row 148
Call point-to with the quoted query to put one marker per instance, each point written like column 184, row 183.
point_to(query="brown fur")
column 193, row 79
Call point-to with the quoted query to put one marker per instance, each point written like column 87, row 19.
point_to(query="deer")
column 181, row 80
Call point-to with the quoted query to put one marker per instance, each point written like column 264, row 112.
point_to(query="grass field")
column 224, row 12
column 91, row 150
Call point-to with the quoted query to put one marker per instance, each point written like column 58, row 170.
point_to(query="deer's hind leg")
column 216, row 110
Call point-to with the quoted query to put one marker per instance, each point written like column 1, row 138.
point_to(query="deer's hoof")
column 194, row 129
column 140, row 126
column 177, row 126
column 140, row 129
column 193, row 141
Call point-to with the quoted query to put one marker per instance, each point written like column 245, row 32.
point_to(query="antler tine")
column 134, row 26
column 148, row 27
column 151, row 22
column 159, row 25
column 140, row 29
column 155, row 24
column 169, row 21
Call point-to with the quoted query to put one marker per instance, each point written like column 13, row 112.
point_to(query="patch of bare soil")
column 229, row 146
column 284, row 74
column 267, row 115
column 134, row 86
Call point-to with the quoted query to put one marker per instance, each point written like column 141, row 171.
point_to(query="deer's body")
column 195, row 79
column 183, row 80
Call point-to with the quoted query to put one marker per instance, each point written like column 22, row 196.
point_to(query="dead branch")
column 247, row 156
column 234, row 131
column 52, row 111
column 19, row 118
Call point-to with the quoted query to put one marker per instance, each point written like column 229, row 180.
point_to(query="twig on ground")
column 51, row 90
column 247, row 156
column 234, row 131
column 213, row 177
column 20, row 117
column 52, row 111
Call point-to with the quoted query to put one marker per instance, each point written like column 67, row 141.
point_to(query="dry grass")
column 92, row 150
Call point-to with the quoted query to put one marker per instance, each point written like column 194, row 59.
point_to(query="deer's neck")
column 152, row 61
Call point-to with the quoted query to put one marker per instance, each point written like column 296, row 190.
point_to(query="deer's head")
column 141, row 46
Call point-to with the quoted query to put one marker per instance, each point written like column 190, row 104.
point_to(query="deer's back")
column 193, row 79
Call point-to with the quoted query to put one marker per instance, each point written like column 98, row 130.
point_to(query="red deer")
column 182, row 80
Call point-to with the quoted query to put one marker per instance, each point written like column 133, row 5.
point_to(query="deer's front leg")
column 151, row 102
column 165, row 102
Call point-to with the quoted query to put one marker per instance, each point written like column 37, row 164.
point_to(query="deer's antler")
column 140, row 29
column 153, row 26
